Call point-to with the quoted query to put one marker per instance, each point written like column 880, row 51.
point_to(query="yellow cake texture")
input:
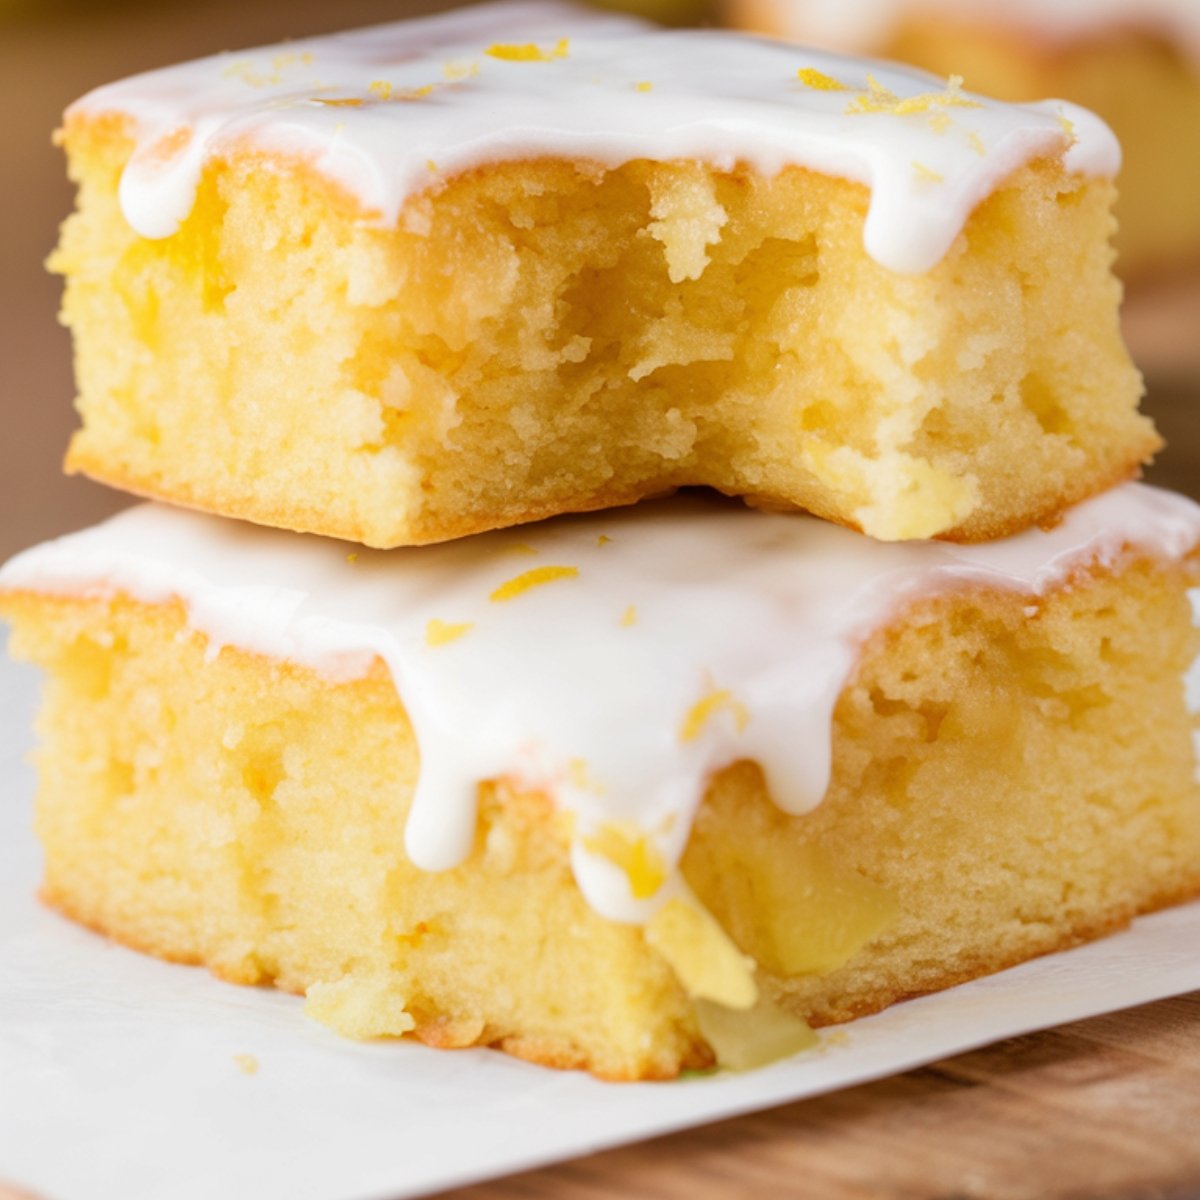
column 1142, row 81
column 552, row 333
column 1010, row 777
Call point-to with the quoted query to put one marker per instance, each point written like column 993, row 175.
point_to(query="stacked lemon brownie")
column 1135, row 62
column 637, row 790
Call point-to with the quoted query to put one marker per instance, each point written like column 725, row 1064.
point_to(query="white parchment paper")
column 120, row 1075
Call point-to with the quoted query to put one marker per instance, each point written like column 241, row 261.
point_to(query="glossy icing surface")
column 860, row 26
column 388, row 112
column 614, row 660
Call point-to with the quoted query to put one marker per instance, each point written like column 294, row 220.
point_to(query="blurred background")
column 51, row 51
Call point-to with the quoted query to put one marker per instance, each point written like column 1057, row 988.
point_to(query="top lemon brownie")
column 417, row 281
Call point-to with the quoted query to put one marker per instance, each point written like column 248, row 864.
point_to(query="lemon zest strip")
column 528, row 51
column 819, row 81
column 531, row 579
column 439, row 633
column 705, row 709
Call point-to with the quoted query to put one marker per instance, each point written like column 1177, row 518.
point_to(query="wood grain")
column 1108, row 1107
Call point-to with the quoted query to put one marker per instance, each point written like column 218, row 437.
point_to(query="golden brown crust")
column 982, row 527
column 864, row 1005
column 317, row 520
column 439, row 1031
column 447, row 1033
column 526, row 435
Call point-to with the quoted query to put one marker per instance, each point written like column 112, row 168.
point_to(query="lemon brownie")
column 428, row 279
column 638, row 791
column 1134, row 62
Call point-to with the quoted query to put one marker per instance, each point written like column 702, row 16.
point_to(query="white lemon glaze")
column 388, row 112
column 861, row 26
column 651, row 648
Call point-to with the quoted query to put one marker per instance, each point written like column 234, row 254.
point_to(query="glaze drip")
column 386, row 113
column 746, row 627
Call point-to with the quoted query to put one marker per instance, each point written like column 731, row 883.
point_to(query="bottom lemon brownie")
column 636, row 794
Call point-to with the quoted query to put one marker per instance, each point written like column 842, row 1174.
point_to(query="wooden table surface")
column 1103, row 1108
column 1108, row 1107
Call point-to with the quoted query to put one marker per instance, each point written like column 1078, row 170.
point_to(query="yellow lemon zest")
column 875, row 98
column 289, row 58
column 438, row 633
column 243, row 69
column 531, row 579
column 704, row 710
column 246, row 1063
column 631, row 850
column 454, row 71
column 528, row 51
column 819, row 81
column 582, row 779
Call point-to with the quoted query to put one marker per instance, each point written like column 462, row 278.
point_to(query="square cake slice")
column 439, row 277
column 637, row 793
